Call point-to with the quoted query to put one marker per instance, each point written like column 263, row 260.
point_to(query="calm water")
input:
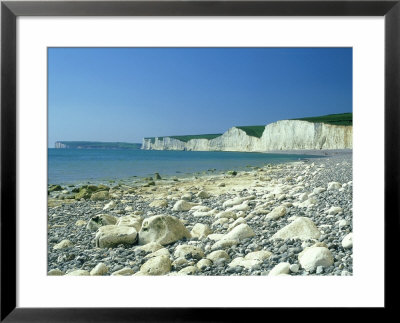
column 73, row 166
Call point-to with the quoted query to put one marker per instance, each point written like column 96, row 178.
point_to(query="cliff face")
column 296, row 134
column 95, row 145
column 60, row 145
column 281, row 135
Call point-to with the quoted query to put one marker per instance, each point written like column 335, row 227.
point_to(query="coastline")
column 261, row 200
column 313, row 152
column 77, row 167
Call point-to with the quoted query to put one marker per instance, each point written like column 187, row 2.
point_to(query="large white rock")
column 342, row 223
column 241, row 207
column 123, row 272
column 234, row 201
column 282, row 268
column 226, row 214
column 110, row 236
column 218, row 254
column 258, row 255
column 100, row 220
column 150, row 247
column 200, row 208
column 215, row 236
column 203, row 263
column 203, row 195
column 242, row 231
column 276, row 213
column 251, row 259
column 224, row 244
column 109, row 205
column 188, row 250
column 55, row 272
column 63, row 244
column 236, row 223
column 156, row 266
column 159, row 203
column 301, row 228
column 312, row 257
column 219, row 221
column 80, row 223
column 318, row 190
column 189, row 270
column 303, row 197
column 307, row 203
column 134, row 221
column 347, row 241
column 334, row 186
column 180, row 262
column 186, row 197
column 78, row 272
column 183, row 205
column 198, row 214
column 100, row 270
column 294, row 268
column 159, row 252
column 246, row 263
column 334, row 210
column 163, row 229
column 200, row 231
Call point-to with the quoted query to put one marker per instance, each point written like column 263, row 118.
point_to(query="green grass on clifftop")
column 342, row 119
column 254, row 131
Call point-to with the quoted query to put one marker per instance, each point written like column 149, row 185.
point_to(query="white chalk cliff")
column 280, row 135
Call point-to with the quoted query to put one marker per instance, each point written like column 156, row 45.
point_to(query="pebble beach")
column 291, row 218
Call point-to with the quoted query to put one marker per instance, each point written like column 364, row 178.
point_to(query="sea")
column 83, row 166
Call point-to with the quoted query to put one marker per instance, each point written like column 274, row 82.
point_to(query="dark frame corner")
column 10, row 10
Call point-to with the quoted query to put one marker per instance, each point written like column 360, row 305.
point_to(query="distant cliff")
column 96, row 145
column 280, row 135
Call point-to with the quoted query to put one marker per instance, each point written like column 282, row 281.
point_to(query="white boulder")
column 123, row 272
column 159, row 203
column 163, row 229
column 282, row 268
column 218, row 254
column 312, row 257
column 78, row 272
column 301, row 228
column 188, row 250
column 100, row 270
column 334, row 186
column 110, row 236
column 334, row 210
column 183, row 205
column 347, row 241
column 200, row 231
column 276, row 213
column 134, row 221
column 242, row 231
column 63, row 244
column 100, row 220
column 156, row 266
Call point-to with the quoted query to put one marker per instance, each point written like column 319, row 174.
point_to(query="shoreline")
column 260, row 201
column 137, row 179
column 313, row 152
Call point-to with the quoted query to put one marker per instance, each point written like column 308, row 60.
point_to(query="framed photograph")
column 160, row 158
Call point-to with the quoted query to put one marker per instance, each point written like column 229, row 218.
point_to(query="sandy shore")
column 292, row 219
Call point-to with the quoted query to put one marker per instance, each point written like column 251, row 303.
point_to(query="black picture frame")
column 10, row 10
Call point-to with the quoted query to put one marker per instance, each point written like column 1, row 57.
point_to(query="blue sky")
column 125, row 94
